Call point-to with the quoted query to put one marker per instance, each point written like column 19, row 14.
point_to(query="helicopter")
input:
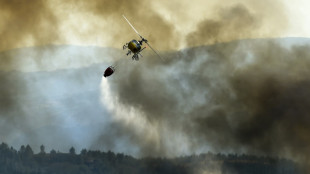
column 135, row 46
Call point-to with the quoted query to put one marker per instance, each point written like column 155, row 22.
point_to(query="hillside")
column 24, row 161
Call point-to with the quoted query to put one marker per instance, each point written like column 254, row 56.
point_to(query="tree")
column 53, row 152
column 83, row 152
column 72, row 151
column 42, row 149
column 25, row 152
column 28, row 151
column 4, row 146
column 22, row 149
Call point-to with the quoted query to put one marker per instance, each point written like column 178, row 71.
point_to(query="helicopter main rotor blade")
column 155, row 51
column 132, row 27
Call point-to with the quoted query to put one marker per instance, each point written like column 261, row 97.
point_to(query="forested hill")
column 24, row 161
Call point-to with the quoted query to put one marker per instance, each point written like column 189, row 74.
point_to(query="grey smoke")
column 247, row 96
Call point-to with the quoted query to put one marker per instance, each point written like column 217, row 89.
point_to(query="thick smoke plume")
column 240, row 97
column 233, row 23
column 21, row 23
column 141, row 14
column 26, row 23
column 247, row 96
column 202, row 97
column 236, row 22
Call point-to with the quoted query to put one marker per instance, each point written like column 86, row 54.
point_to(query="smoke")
column 31, row 102
column 248, row 96
column 242, row 97
column 140, row 13
column 193, row 98
column 8, row 90
column 236, row 22
column 100, row 22
column 40, row 104
column 23, row 24
column 233, row 23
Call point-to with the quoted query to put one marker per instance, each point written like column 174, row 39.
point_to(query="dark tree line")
column 24, row 161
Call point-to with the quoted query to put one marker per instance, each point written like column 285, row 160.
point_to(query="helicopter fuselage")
column 134, row 46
